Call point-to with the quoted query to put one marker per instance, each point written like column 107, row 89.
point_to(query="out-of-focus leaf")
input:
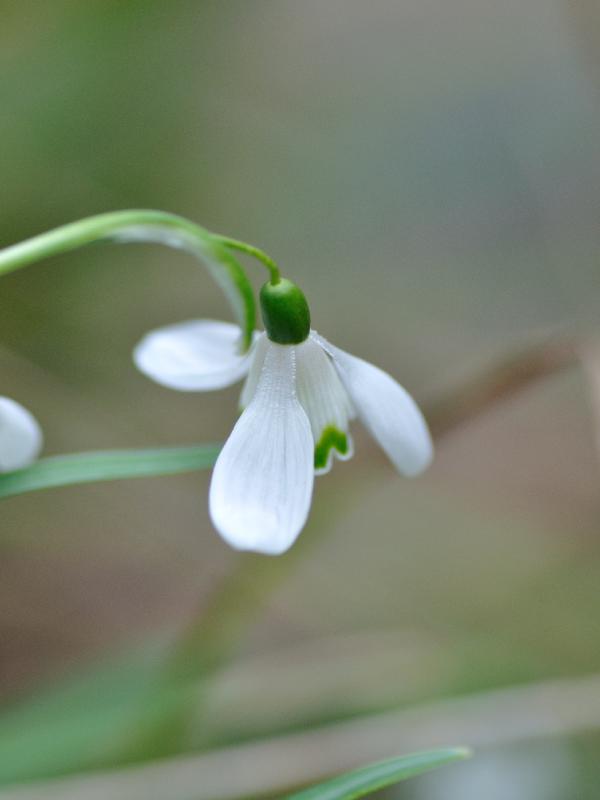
column 109, row 736
column 93, row 720
column 109, row 465
column 369, row 779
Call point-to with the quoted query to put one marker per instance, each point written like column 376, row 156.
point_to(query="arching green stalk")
column 139, row 225
column 250, row 250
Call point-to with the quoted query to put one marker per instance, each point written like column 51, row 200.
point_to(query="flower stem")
column 113, row 225
column 141, row 225
column 249, row 249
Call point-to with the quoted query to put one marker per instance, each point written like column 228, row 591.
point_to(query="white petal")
column 20, row 436
column 199, row 355
column 326, row 403
column 262, row 482
column 258, row 360
column 386, row 410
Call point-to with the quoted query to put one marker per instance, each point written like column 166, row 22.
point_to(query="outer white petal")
column 258, row 360
column 262, row 482
column 386, row 410
column 199, row 355
column 20, row 436
column 325, row 401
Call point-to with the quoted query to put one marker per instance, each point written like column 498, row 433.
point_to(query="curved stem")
column 141, row 225
column 250, row 250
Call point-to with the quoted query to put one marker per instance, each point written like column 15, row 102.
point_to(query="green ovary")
column 331, row 438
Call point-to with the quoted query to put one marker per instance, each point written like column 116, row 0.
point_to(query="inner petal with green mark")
column 331, row 439
column 326, row 402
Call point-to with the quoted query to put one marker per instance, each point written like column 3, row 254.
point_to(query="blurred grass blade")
column 377, row 776
column 106, row 465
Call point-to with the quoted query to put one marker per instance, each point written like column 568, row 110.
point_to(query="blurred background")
column 429, row 172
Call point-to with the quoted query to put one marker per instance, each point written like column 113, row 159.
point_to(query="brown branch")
column 500, row 381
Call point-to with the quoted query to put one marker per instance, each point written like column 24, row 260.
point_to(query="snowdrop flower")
column 298, row 399
column 20, row 436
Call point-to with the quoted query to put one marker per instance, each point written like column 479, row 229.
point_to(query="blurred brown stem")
column 505, row 378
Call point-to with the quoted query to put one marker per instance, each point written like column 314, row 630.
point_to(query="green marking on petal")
column 331, row 438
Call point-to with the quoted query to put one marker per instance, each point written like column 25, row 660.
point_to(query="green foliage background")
column 429, row 173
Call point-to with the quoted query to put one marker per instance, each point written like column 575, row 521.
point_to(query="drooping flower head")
column 20, row 436
column 298, row 399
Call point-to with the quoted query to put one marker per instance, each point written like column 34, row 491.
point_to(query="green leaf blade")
column 377, row 776
column 79, row 468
